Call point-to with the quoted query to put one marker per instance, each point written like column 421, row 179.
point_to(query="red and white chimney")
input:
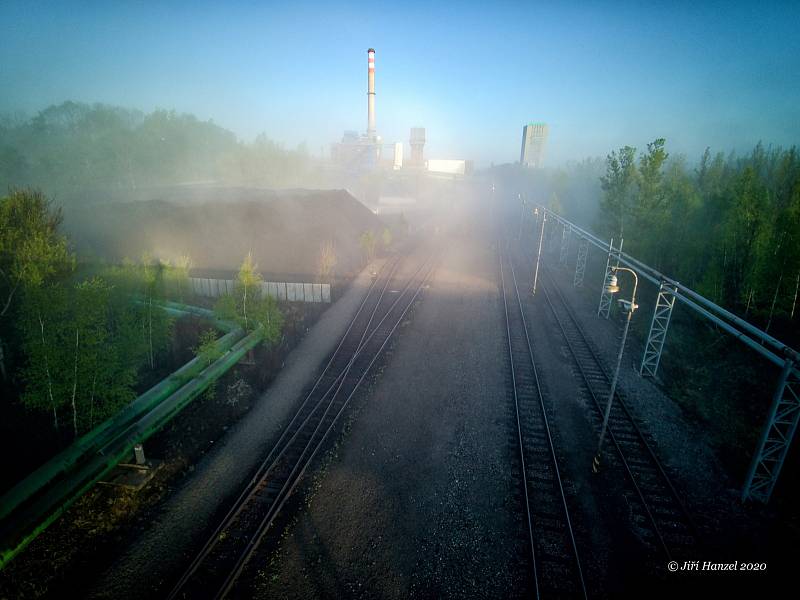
column 371, row 94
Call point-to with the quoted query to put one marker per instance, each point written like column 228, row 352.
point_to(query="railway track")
column 657, row 509
column 215, row 569
column 554, row 554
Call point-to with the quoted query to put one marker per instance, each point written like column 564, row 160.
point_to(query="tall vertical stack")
column 371, row 94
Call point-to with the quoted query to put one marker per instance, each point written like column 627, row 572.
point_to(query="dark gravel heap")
column 217, row 227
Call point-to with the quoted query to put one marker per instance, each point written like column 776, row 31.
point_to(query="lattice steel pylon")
column 776, row 438
column 604, row 308
column 565, row 236
column 580, row 263
column 658, row 329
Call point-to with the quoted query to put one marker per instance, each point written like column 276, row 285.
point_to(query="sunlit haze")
column 399, row 299
column 601, row 75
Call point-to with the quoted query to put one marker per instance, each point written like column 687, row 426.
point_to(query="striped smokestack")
column 371, row 94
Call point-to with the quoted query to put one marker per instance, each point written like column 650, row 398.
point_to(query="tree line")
column 73, row 147
column 728, row 226
column 73, row 342
column 76, row 339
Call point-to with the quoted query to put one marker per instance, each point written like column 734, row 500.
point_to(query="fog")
column 167, row 169
column 602, row 76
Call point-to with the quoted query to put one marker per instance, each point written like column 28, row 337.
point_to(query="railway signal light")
column 612, row 287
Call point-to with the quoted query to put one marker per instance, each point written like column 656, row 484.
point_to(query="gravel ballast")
column 186, row 516
column 420, row 500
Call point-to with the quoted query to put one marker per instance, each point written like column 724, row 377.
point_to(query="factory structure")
column 359, row 154
column 534, row 140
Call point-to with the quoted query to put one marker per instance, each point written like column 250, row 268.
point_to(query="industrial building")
column 449, row 168
column 355, row 153
column 359, row 154
column 417, row 143
column 534, row 140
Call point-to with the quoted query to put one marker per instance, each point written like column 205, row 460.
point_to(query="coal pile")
column 216, row 227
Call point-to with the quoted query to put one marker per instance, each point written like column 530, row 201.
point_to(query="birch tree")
column 32, row 251
column 367, row 242
column 249, row 306
column 618, row 186
column 93, row 352
column 46, row 369
column 248, row 284
column 327, row 261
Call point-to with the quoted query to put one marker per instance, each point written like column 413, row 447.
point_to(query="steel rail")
column 269, row 460
column 619, row 402
column 617, row 396
column 520, row 437
column 519, row 434
column 256, row 539
column 283, row 446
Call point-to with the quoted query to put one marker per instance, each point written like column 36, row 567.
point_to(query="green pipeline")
column 50, row 505
column 100, row 435
column 98, row 441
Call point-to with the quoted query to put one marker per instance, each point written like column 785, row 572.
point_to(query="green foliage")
column 618, row 185
column 367, row 241
column 727, row 225
column 248, row 277
column 43, row 314
column 211, row 391
column 249, row 307
column 84, row 342
column 102, row 381
column 650, row 197
column 74, row 343
column 327, row 261
column 267, row 316
column 157, row 325
column 32, row 251
column 77, row 345
column 177, row 278
column 207, row 350
column 248, row 284
column 75, row 147
column 225, row 308
column 263, row 313
column 149, row 329
column 730, row 227
column 386, row 237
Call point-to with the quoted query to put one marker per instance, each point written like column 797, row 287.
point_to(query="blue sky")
column 601, row 74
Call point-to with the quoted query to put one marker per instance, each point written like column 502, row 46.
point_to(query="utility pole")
column 613, row 288
column 539, row 253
